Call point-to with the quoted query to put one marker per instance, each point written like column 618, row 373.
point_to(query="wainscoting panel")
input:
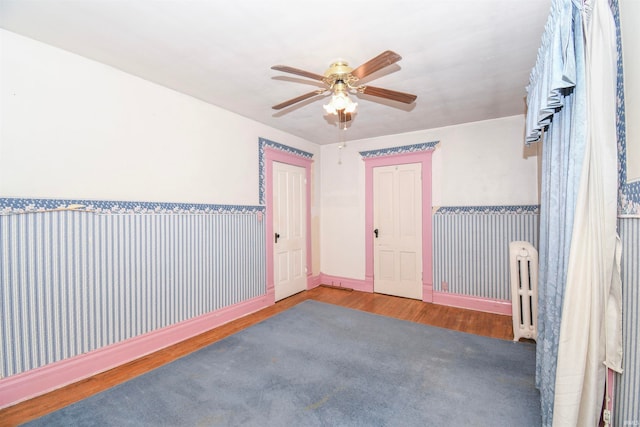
column 75, row 281
column 471, row 247
column 627, row 389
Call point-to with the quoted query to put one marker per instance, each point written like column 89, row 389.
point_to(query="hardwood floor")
column 475, row 322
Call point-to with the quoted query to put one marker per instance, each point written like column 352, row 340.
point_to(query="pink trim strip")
column 272, row 155
column 487, row 305
column 443, row 298
column 26, row 385
column 345, row 282
column 313, row 282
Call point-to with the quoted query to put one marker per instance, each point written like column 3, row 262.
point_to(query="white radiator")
column 523, row 261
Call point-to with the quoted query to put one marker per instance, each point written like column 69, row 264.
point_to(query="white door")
column 397, row 222
column 289, row 226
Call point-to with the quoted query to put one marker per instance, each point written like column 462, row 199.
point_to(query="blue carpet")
column 318, row 364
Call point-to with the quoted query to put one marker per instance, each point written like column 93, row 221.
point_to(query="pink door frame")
column 273, row 155
column 424, row 158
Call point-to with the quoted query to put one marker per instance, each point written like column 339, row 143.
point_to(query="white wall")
column 75, row 128
column 475, row 164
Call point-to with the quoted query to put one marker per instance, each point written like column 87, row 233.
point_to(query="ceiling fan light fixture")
column 340, row 101
column 340, row 79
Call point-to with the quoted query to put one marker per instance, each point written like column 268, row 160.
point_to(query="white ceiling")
column 466, row 60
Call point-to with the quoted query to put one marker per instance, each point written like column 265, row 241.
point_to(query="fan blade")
column 297, row 71
column 379, row 62
column 297, row 99
column 407, row 98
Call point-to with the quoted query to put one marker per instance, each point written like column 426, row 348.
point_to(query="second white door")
column 289, row 225
column 397, row 219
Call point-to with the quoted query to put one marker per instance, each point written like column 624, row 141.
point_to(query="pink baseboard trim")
column 473, row 303
column 427, row 292
column 26, row 385
column 271, row 296
column 345, row 282
column 443, row 298
column 313, row 282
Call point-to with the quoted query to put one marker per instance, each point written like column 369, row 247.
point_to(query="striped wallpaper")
column 72, row 282
column 627, row 389
column 471, row 247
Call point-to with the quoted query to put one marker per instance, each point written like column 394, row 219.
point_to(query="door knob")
column 375, row 232
column 277, row 237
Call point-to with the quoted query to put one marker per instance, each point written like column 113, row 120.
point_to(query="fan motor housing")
column 338, row 68
column 339, row 72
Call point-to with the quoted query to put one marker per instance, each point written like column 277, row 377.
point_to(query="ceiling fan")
column 340, row 79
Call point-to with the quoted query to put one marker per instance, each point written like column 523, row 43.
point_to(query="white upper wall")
column 483, row 163
column 474, row 164
column 74, row 128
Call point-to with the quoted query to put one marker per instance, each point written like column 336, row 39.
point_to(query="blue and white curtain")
column 571, row 100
